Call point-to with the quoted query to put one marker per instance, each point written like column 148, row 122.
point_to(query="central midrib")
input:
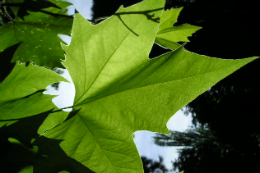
column 104, row 65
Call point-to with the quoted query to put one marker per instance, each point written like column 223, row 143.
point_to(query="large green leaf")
column 21, row 94
column 38, row 33
column 119, row 90
column 168, row 36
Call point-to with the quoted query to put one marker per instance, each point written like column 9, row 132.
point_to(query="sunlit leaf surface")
column 119, row 90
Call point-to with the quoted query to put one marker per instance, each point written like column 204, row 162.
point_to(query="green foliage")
column 20, row 91
column 38, row 34
column 167, row 35
column 119, row 90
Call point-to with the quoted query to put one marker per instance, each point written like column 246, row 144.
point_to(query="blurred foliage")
column 151, row 166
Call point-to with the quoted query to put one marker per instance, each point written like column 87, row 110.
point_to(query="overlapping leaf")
column 20, row 91
column 119, row 90
column 169, row 36
column 23, row 108
column 38, row 33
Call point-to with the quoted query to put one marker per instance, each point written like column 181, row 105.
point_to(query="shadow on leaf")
column 5, row 61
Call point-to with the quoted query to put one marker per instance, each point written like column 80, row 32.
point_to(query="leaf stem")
column 7, row 14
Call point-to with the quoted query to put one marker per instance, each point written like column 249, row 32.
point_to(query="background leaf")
column 38, row 33
column 168, row 36
column 21, row 91
column 178, row 33
column 54, row 119
column 25, row 80
column 169, row 18
column 28, row 106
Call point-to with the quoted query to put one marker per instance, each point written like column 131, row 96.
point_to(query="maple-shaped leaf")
column 169, row 36
column 38, row 33
column 119, row 90
column 21, row 91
